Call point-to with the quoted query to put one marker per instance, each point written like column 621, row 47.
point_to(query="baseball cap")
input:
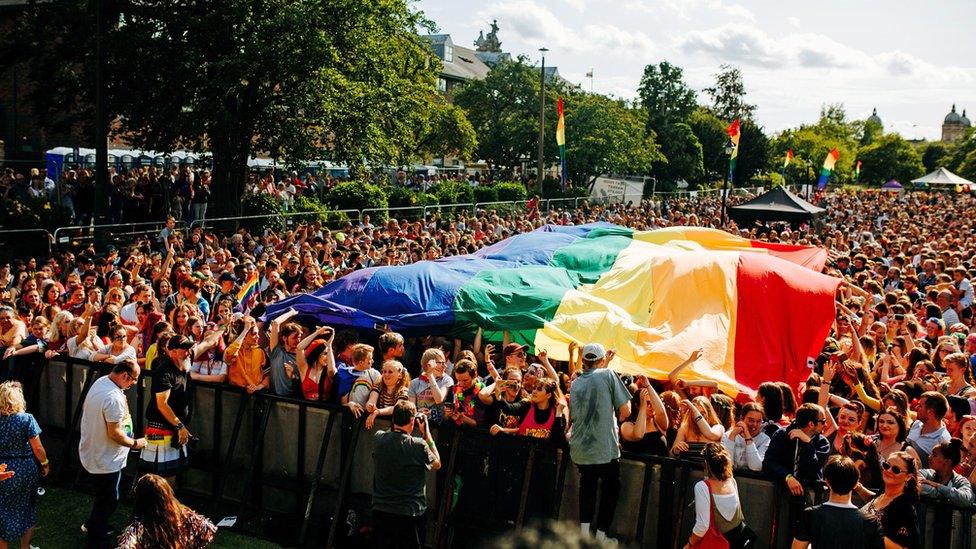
column 593, row 351
column 513, row 348
column 179, row 342
column 227, row 276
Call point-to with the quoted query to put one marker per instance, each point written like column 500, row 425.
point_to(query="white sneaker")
column 84, row 529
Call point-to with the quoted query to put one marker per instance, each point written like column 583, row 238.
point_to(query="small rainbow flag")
column 247, row 291
column 561, row 141
column 857, row 170
column 734, row 133
column 789, row 158
column 828, row 166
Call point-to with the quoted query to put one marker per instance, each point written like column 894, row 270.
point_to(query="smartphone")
column 381, row 327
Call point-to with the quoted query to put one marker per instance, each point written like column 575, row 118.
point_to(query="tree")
column 682, row 157
column 447, row 132
column 665, row 96
column 810, row 146
column 753, row 152
column 504, row 111
column 728, row 95
column 604, row 135
column 710, row 131
column 889, row 157
column 299, row 79
column 935, row 155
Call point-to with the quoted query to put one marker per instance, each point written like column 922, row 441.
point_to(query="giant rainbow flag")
column 759, row 311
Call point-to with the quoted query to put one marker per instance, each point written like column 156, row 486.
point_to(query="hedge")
column 262, row 204
column 485, row 193
column 354, row 195
column 454, row 192
column 511, row 192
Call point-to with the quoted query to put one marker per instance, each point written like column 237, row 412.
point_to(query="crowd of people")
column 887, row 416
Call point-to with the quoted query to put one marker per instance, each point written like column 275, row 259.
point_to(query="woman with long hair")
column 960, row 382
column 700, row 424
column 160, row 520
column 644, row 431
column 392, row 388
column 862, row 450
column 717, row 507
column 509, row 389
column 770, row 397
column 543, row 415
column 894, row 507
column 316, row 364
column 51, row 295
column 61, row 330
column 891, row 433
column 24, row 455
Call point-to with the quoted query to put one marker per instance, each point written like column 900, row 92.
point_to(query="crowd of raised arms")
column 893, row 389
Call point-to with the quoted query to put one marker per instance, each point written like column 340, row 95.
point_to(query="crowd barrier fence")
column 86, row 233
column 21, row 242
column 272, row 455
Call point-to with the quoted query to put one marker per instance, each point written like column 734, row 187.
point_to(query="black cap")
column 227, row 275
column 179, row 342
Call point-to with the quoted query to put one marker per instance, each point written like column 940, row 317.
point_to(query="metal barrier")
column 87, row 232
column 12, row 244
column 256, row 451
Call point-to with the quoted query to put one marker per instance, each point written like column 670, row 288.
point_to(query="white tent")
column 942, row 177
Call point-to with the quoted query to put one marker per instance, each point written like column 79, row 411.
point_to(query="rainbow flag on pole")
column 734, row 133
column 857, row 170
column 759, row 310
column 561, row 141
column 828, row 166
column 247, row 291
column 789, row 158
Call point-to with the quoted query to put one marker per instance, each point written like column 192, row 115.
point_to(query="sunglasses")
column 893, row 468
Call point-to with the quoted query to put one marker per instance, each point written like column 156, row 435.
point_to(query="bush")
column 485, row 193
column 399, row 196
column 262, row 204
column 354, row 195
column 17, row 215
column 453, row 192
column 511, row 192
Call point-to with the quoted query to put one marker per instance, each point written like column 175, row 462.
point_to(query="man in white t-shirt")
column 106, row 438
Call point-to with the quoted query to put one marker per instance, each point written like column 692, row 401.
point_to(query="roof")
column 952, row 117
column 439, row 38
column 874, row 118
column 492, row 58
column 941, row 176
column 777, row 204
column 465, row 66
column 892, row 184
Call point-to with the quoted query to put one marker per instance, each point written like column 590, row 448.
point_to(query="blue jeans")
column 106, row 502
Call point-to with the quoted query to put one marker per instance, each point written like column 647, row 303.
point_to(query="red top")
column 532, row 428
column 310, row 389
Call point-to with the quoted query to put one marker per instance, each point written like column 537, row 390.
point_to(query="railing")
column 257, row 452
column 87, row 232
column 12, row 242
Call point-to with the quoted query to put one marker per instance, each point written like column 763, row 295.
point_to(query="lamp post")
column 542, row 120
column 101, row 122
column 729, row 149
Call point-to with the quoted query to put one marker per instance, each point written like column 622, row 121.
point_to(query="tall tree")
column 504, row 111
column 710, row 131
column 935, row 155
column 728, row 95
column 753, row 153
column 446, row 132
column 682, row 157
column 889, row 157
column 605, row 136
column 299, row 79
column 665, row 96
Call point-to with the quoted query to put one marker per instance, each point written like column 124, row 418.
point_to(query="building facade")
column 955, row 126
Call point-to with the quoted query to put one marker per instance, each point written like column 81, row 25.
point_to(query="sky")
column 911, row 60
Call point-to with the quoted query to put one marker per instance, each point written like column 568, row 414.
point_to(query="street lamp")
column 542, row 119
column 728, row 150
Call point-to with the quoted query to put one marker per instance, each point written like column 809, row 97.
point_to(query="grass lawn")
column 61, row 512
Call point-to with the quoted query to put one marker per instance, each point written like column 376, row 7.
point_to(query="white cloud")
column 735, row 43
column 613, row 38
column 691, row 9
column 580, row 5
column 793, row 21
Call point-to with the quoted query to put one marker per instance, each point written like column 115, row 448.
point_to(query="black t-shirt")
column 653, row 442
column 832, row 527
column 168, row 377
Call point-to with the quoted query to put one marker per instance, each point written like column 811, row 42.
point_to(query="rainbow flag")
column 561, row 141
column 734, row 133
column 857, row 170
column 759, row 310
column 247, row 291
column 789, row 158
column 828, row 166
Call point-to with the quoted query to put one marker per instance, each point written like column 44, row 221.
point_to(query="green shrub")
column 399, row 196
column 427, row 199
column 453, row 192
column 317, row 210
column 511, row 192
column 264, row 205
column 354, row 195
column 485, row 193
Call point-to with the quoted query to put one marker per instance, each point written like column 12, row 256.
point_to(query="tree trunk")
column 229, row 176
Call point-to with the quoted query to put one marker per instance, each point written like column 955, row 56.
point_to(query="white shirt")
column 128, row 314
column 127, row 352
column 724, row 505
column 747, row 456
column 927, row 441
column 76, row 351
column 105, row 403
column 966, row 299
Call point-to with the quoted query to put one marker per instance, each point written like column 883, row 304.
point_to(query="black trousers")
column 397, row 531
column 609, row 474
column 103, row 507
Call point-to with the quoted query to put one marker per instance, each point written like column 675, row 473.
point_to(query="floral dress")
column 197, row 532
column 18, row 509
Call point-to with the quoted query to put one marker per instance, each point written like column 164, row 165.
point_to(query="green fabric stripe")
column 522, row 299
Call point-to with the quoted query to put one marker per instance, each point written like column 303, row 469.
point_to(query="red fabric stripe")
column 775, row 337
column 807, row 256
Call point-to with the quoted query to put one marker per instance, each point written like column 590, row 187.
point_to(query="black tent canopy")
column 777, row 204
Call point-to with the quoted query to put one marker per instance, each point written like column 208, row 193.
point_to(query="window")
column 442, row 85
column 448, row 53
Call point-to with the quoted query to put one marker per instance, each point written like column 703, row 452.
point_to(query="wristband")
column 180, row 426
column 45, row 463
column 699, row 417
column 430, row 442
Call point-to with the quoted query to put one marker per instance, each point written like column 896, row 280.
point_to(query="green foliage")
column 935, row 155
column 605, row 136
column 446, row 132
column 293, row 79
column 317, row 211
column 354, row 195
column 262, row 204
column 810, row 146
column 684, row 157
column 664, row 96
column 485, row 193
column 453, row 192
column 427, row 199
column 710, row 131
column 511, row 191
column 890, row 157
column 728, row 95
column 399, row 196
column 753, row 153
column 15, row 214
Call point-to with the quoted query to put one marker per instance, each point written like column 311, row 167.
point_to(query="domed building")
column 954, row 127
column 874, row 118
